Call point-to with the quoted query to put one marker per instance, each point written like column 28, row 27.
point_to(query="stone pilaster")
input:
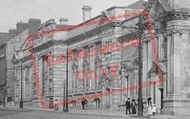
column 92, row 66
column 147, row 59
column 112, row 59
column 177, row 100
column 59, row 73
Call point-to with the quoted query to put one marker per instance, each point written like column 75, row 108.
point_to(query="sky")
column 13, row 11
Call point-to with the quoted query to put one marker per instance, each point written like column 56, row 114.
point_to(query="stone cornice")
column 90, row 41
column 43, row 47
column 129, row 36
column 178, row 25
column 89, row 34
column 169, row 16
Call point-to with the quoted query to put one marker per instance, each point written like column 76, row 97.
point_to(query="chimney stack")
column 86, row 12
column 13, row 32
column 63, row 21
column 33, row 25
column 21, row 26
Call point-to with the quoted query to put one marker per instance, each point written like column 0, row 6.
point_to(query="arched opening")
column 97, row 102
column 73, row 102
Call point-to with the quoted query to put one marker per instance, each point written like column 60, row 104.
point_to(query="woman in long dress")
column 133, row 106
column 149, row 105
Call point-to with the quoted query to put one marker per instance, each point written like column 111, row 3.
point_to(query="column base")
column 177, row 106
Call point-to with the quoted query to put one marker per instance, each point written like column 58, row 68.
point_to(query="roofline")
column 113, row 7
column 4, row 33
column 5, row 43
column 83, row 23
column 131, row 18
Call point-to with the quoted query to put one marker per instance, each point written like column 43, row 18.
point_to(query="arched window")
column 97, row 102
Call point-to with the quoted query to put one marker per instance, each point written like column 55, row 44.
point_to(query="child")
column 154, row 109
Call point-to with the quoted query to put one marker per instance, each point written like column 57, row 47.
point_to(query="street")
column 48, row 115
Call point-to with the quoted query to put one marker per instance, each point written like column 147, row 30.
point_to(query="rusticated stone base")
column 177, row 106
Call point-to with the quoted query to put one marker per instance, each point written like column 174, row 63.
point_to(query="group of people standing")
column 131, row 107
column 151, row 107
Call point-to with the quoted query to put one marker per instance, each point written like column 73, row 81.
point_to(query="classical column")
column 80, row 70
column 145, row 62
column 92, row 71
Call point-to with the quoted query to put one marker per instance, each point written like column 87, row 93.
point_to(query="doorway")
column 156, row 92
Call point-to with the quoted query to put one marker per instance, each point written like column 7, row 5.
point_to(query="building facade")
column 3, row 73
column 8, row 46
column 13, row 46
column 92, row 54
column 42, row 45
column 6, row 85
column 103, row 59
column 171, row 29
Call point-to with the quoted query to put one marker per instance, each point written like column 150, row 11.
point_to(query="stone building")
column 170, row 24
column 97, row 70
column 7, row 45
column 103, row 58
column 3, row 74
column 6, row 85
column 42, row 45
column 102, row 70
column 89, row 45
column 165, row 56
column 22, row 31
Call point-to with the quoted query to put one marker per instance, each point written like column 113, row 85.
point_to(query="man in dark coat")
column 83, row 102
column 128, row 106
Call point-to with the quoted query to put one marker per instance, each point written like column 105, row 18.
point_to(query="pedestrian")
column 153, row 109
column 149, row 106
column 83, row 102
column 51, row 103
column 56, row 107
column 133, row 106
column 86, row 104
column 128, row 106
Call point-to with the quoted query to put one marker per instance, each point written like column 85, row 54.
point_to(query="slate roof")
column 4, row 38
column 138, row 5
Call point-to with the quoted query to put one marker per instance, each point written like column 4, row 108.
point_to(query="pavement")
column 112, row 113
column 95, row 112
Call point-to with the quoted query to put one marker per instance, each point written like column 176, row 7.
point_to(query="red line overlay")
column 106, row 93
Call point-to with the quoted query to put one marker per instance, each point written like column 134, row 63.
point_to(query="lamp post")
column 121, row 76
column 19, row 57
column 140, row 104
column 63, row 96
column 65, row 85
column 21, row 100
column 5, row 90
column 20, row 54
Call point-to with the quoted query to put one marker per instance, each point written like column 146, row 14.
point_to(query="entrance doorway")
column 156, row 92
column 97, row 102
column 162, row 97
